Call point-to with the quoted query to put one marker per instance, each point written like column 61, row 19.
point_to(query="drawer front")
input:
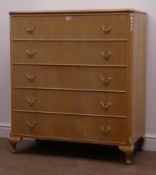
column 92, row 53
column 71, row 26
column 87, row 129
column 70, row 102
column 91, row 78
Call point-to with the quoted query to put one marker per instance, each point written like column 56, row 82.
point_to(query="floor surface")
column 57, row 158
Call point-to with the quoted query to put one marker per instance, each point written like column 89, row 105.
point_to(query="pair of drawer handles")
column 105, row 106
column 105, row 29
column 105, row 81
column 105, row 130
column 106, row 55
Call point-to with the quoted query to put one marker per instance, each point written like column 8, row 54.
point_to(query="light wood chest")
column 79, row 76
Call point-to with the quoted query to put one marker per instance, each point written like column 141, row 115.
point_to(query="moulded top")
column 76, row 11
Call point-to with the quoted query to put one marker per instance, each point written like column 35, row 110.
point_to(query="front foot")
column 13, row 141
column 128, row 151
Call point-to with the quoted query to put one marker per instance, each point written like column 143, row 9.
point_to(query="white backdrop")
column 19, row 5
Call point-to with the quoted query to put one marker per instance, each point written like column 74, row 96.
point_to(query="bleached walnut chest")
column 79, row 76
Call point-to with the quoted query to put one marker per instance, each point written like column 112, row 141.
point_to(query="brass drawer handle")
column 106, row 55
column 106, row 81
column 30, row 30
column 105, row 106
column 30, row 77
column 105, row 130
column 106, row 29
column 31, row 53
column 31, row 101
column 31, row 125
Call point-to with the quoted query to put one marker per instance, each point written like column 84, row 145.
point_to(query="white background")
column 148, row 6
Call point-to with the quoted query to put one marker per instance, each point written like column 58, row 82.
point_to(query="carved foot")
column 13, row 141
column 128, row 151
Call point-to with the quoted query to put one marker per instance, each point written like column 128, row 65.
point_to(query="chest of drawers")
column 79, row 76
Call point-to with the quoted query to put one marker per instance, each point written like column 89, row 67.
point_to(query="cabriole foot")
column 13, row 141
column 128, row 151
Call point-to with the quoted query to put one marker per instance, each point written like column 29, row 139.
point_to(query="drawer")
column 71, row 26
column 92, row 53
column 87, row 129
column 66, row 77
column 80, row 102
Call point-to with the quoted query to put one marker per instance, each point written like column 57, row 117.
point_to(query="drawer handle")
column 31, row 101
column 106, row 29
column 30, row 30
column 105, row 130
column 106, row 81
column 106, row 106
column 31, row 125
column 30, row 77
column 106, row 55
column 31, row 53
